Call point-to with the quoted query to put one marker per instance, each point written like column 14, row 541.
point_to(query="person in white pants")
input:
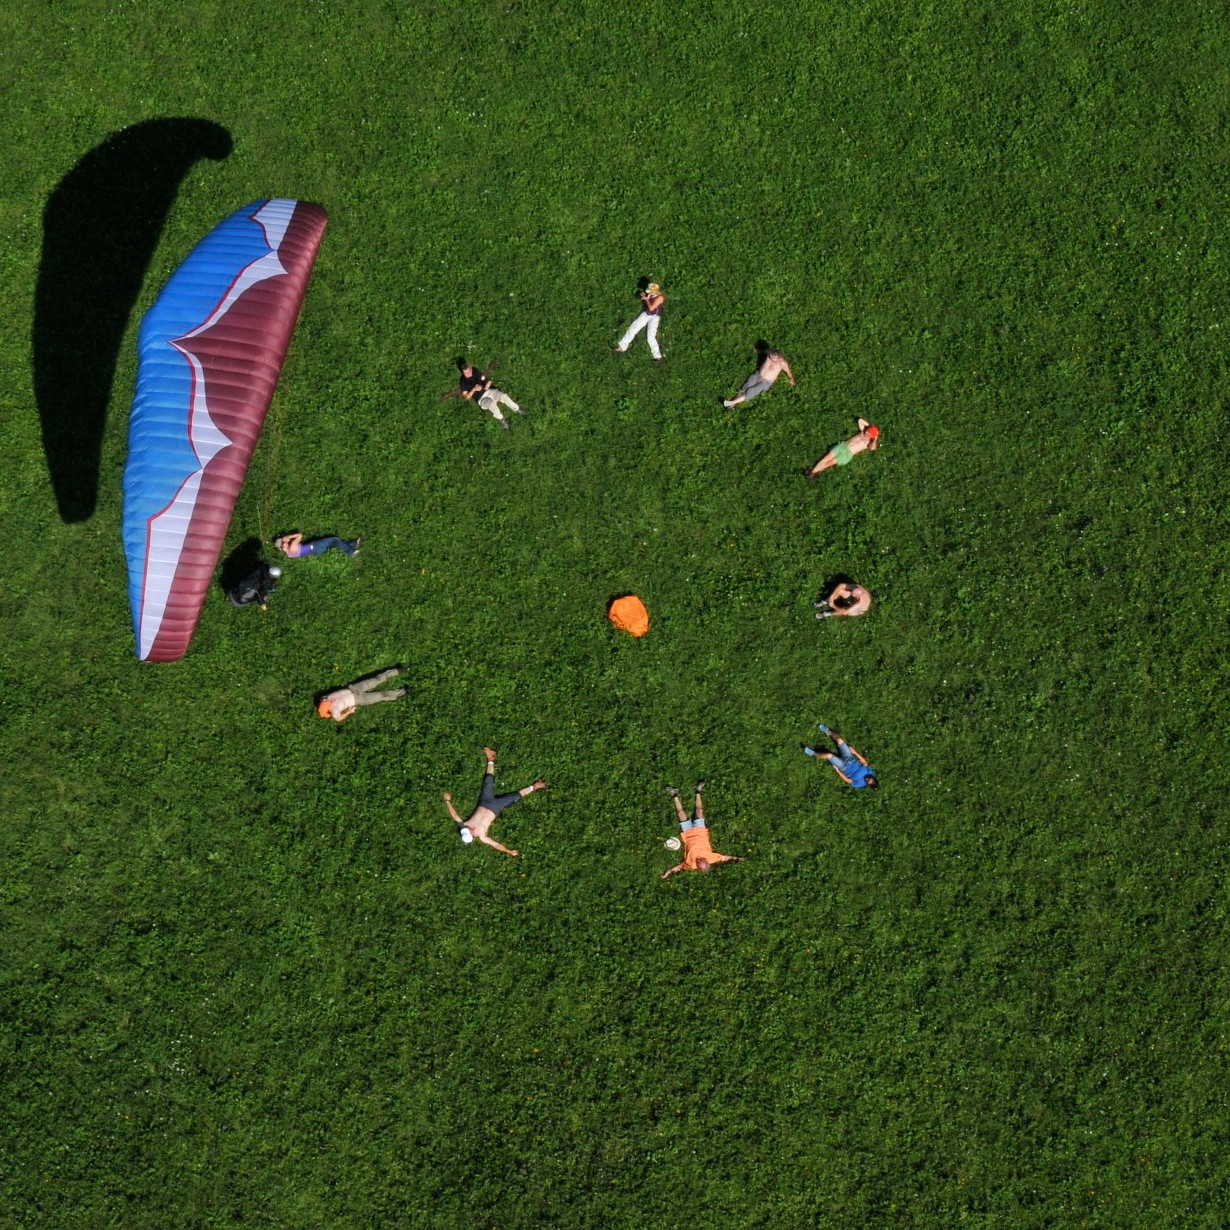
column 653, row 299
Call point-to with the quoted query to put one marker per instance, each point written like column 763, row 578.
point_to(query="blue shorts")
column 684, row 825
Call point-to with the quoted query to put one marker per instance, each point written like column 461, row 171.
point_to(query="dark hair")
column 872, row 784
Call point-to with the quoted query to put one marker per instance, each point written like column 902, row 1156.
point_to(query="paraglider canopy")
column 629, row 615
column 210, row 351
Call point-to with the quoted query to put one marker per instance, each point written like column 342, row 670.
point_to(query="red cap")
column 873, row 433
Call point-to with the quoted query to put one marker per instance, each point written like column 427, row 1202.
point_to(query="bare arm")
column 673, row 871
column 840, row 774
column 495, row 845
column 487, row 373
column 457, row 392
column 730, row 858
column 452, row 811
column 789, row 373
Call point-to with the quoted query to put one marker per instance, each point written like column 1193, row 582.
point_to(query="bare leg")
column 700, row 803
column 683, row 815
column 827, row 462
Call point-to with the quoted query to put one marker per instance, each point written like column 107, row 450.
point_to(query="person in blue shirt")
column 850, row 766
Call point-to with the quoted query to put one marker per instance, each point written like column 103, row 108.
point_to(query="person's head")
column 466, row 370
column 653, row 289
column 702, row 864
column 872, row 784
column 873, row 432
column 325, row 708
column 278, row 541
column 465, row 834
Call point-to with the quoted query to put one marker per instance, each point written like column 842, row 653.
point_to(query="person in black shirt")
column 256, row 586
column 476, row 386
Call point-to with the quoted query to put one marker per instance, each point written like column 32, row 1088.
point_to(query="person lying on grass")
column 294, row 546
column 849, row 765
column 489, row 807
column 476, row 385
column 772, row 364
column 844, row 600
column 698, row 854
column 342, row 702
column 840, row 454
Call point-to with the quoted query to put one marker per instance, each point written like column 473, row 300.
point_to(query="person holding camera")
column 653, row 299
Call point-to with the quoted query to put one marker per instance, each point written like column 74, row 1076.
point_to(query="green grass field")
column 249, row 975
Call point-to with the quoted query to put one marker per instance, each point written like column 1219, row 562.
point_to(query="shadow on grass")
column 100, row 228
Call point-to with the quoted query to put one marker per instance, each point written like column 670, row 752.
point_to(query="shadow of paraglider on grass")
column 100, row 228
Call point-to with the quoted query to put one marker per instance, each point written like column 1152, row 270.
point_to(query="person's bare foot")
column 489, row 752
column 540, row 784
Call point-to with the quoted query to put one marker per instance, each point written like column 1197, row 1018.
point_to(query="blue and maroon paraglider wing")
column 210, row 351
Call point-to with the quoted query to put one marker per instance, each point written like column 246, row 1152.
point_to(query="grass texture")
column 249, row 975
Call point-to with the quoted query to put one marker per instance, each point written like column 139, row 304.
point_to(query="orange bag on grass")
column 629, row 614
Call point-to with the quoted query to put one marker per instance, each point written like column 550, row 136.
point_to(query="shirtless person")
column 840, row 454
column 772, row 364
column 342, row 702
column 844, row 600
column 476, row 386
column 698, row 854
column 489, row 806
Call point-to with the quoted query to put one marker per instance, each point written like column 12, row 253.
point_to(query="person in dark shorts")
column 490, row 805
column 849, row 765
column 845, row 599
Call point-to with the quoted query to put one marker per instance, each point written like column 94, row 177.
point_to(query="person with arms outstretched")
column 698, row 853
column 490, row 805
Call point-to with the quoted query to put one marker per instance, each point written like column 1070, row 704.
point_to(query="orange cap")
column 629, row 615
column 325, row 708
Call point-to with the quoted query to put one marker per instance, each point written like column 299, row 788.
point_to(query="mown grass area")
column 251, row 978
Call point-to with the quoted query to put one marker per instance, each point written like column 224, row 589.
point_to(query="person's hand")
column 448, row 798
column 515, row 853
